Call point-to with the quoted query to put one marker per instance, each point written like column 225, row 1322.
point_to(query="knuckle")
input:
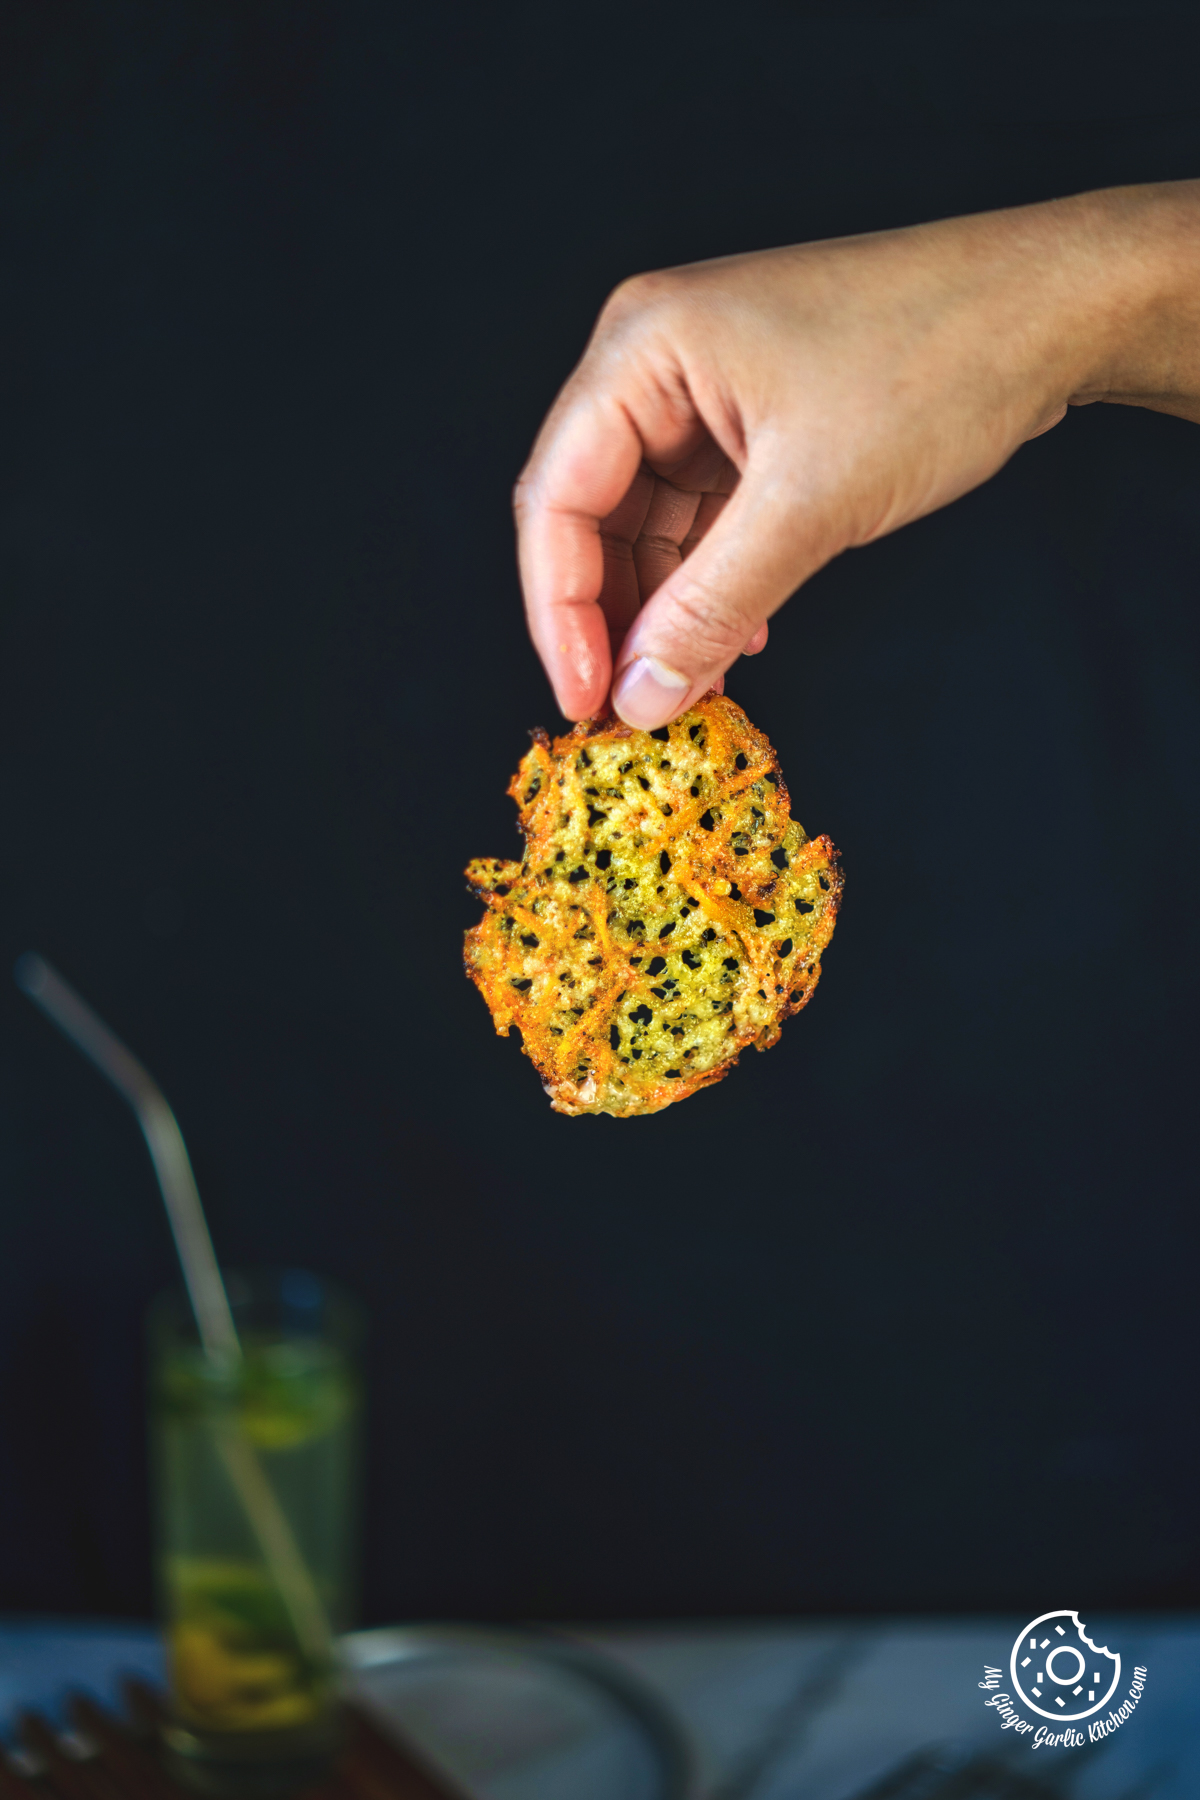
column 710, row 624
column 637, row 294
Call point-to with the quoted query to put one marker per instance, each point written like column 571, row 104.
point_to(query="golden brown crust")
column 668, row 911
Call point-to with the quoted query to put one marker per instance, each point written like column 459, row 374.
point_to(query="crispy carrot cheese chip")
column 668, row 912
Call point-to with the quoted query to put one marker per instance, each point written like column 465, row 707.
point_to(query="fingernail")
column 649, row 693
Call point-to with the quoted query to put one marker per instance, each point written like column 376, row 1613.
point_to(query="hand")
column 733, row 425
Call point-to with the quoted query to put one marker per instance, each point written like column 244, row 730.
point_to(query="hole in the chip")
column 643, row 782
column 603, row 858
column 595, row 816
column 657, row 964
column 635, row 927
column 634, row 961
column 663, row 734
column 625, row 768
column 780, row 857
column 762, row 994
column 595, row 791
column 667, row 929
column 785, row 949
column 614, row 1037
column 692, row 730
column 762, row 918
column 532, row 789
column 708, row 934
column 708, row 822
column 561, row 856
column 823, row 882
column 772, row 777
column 522, row 983
column 554, row 1030
column 628, row 883
column 794, row 996
column 636, row 1055
column 641, row 1015
column 693, row 962
column 694, row 792
column 594, row 962
column 500, row 888
column 664, row 863
column 585, row 759
column 578, row 875
column 677, row 1031
column 660, row 991
column 674, row 1074
column 735, row 892
column 739, row 761
column 529, row 938
column 805, row 906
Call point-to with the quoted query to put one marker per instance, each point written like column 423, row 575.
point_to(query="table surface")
column 780, row 1710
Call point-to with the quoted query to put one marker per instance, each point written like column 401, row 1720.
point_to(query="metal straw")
column 202, row 1278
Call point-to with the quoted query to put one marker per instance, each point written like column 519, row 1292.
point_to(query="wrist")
column 1130, row 331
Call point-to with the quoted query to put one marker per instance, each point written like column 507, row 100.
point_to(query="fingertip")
column 757, row 641
column 572, row 642
column 578, row 699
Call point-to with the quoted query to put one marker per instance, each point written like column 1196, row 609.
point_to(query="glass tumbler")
column 255, row 1488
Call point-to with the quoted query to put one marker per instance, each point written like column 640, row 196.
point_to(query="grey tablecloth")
column 814, row 1711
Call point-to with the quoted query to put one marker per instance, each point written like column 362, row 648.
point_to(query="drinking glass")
column 255, row 1487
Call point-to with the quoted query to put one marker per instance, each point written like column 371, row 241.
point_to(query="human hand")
column 734, row 425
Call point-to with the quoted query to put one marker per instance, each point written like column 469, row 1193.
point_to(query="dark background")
column 902, row 1314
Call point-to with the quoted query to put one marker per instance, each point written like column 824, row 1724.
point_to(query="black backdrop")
column 899, row 1316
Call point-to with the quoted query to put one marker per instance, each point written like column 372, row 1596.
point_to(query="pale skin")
column 733, row 425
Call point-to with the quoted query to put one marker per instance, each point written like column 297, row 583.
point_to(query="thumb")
column 702, row 617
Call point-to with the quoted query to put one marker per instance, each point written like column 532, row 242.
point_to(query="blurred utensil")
column 521, row 1715
column 105, row 1757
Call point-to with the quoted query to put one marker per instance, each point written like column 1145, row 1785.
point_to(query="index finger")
column 583, row 466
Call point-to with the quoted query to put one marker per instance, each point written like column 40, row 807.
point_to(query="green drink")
column 255, row 1464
